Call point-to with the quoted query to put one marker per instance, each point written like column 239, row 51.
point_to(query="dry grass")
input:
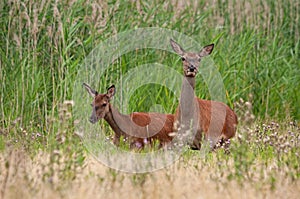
column 44, row 43
column 24, row 178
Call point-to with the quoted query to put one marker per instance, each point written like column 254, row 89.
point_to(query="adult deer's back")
column 216, row 121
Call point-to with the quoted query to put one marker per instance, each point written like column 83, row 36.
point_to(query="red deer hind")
column 216, row 121
column 139, row 128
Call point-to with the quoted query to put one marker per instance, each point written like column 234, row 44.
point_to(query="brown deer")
column 138, row 128
column 216, row 121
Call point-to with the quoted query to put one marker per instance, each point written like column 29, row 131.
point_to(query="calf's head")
column 100, row 104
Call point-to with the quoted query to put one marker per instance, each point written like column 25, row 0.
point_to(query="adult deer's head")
column 191, row 60
column 100, row 103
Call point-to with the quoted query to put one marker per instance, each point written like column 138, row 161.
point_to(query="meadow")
column 44, row 45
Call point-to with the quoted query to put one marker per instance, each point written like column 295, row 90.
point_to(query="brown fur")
column 138, row 128
column 227, row 126
column 217, row 121
column 144, row 119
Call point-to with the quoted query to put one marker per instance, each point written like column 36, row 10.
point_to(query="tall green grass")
column 44, row 43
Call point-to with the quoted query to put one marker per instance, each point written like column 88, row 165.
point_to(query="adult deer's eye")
column 182, row 59
column 104, row 105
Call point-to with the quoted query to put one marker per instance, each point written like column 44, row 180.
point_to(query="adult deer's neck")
column 190, row 81
column 187, row 88
column 187, row 96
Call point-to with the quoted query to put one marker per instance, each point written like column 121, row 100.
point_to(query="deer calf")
column 216, row 121
column 139, row 128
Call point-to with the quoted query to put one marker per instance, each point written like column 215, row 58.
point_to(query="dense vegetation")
column 44, row 43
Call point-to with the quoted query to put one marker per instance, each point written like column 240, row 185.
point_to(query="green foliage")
column 44, row 44
column 2, row 143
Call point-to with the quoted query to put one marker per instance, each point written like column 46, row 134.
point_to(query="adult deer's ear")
column 111, row 91
column 206, row 50
column 91, row 91
column 177, row 48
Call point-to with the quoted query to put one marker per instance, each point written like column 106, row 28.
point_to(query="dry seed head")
column 266, row 139
column 172, row 134
column 69, row 102
column 80, row 134
column 249, row 105
column 241, row 100
column 76, row 122
column 68, row 115
column 237, row 104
